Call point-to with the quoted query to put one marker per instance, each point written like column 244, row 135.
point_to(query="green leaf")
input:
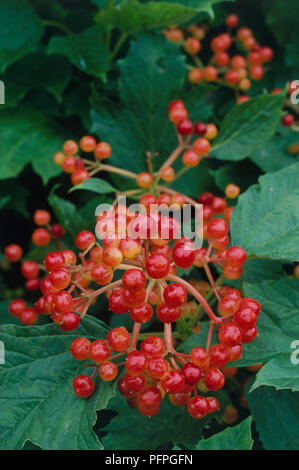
column 275, row 414
column 243, row 173
column 28, row 137
column 262, row 269
column 235, row 438
column 37, row 400
column 96, row 185
column 67, row 215
column 131, row 16
column 36, row 70
column 273, row 155
column 20, row 31
column 265, row 221
column 85, row 50
column 151, row 76
column 171, row 424
column 278, row 324
column 17, row 199
column 247, row 127
column 280, row 373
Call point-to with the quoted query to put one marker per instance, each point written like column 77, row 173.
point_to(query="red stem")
column 211, row 279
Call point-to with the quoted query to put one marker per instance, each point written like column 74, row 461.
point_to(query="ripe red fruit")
column 221, row 59
column 108, row 371
column 167, row 314
column 287, row 120
column 249, row 335
column 195, row 75
column 177, row 114
column 219, row 355
column 232, row 77
column 80, row 349
column 175, row 103
column 102, row 274
column 134, row 298
column 134, row 279
column 119, row 339
column 83, row 386
column 54, row 260
column 175, row 295
column 185, row 127
column 213, row 404
column 69, row 164
column 179, row 399
column 230, row 334
column 198, row 407
column 30, row 269
column 191, row 158
column 210, row 73
column 69, row 321
column 78, row 176
column 62, row 301
column 183, row 254
column 144, row 180
column 84, row 239
column 117, row 303
column 70, row 147
column 149, row 396
column 152, row 346
column 235, row 256
column 200, row 128
column 132, row 384
column 201, row 146
column 60, row 278
column 168, row 175
column 136, row 363
column 192, row 373
column 32, row 284
column 99, row 351
column 236, row 352
column 192, row 46
column 231, row 272
column 232, row 21
column 16, row 306
column 245, row 318
column 157, row 266
column 218, row 204
column 200, row 357
column 28, row 316
column 87, row 143
column 251, row 303
column 256, row 72
column 57, row 230
column 266, row 54
column 142, row 314
column 206, row 198
column 41, row 237
column 217, row 228
column 214, row 379
column 41, row 217
column 13, row 253
column 157, row 367
column 173, row 382
column 102, row 150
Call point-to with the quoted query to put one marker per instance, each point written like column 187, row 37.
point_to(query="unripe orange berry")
column 168, row 174
column 195, row 75
column 41, row 217
column 174, row 35
column 211, row 131
column 232, row 191
column 144, row 180
column 244, row 84
column 58, row 158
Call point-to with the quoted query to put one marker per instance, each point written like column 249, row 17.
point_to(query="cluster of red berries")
column 78, row 167
column 288, row 119
column 236, row 70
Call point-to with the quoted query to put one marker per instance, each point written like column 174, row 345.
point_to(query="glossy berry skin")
column 183, row 254
column 232, row 273
column 30, row 269
column 287, row 120
column 192, row 373
column 218, row 204
column 69, row 321
column 206, row 199
column 236, row 352
column 117, row 302
column 84, row 239
column 142, row 314
column 248, row 335
column 167, row 314
column 102, row 274
column 80, row 349
column 102, row 150
column 213, row 404
column 266, row 54
column 136, row 363
column 144, row 180
column 54, row 260
column 217, row 228
column 149, row 396
column 251, row 303
column 219, row 355
column 245, row 318
column 16, row 306
column 41, row 217
column 133, row 383
column 108, row 371
column 157, row 367
column 62, row 302
column 192, row 46
column 152, row 346
column 235, row 256
column 178, row 114
column 198, row 407
column 221, row 59
column 41, row 237
column 191, row 158
column 173, row 382
column 119, row 339
column 134, row 279
column 70, row 147
column 185, row 127
column 201, row 146
column 69, row 164
column 99, row 351
column 179, row 399
column 83, row 386
column 60, row 278
column 175, row 295
column 87, row 143
column 28, row 316
column 78, row 176
column 214, row 379
column 32, row 284
column 167, row 174
column 13, row 253
column 157, row 266
column 230, row 334
column 57, row 230
column 134, row 298
column 200, row 357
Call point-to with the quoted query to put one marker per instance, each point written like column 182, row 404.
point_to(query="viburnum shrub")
column 148, row 247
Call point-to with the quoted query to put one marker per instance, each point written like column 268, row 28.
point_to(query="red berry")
column 28, row 316
column 287, row 120
column 132, row 384
column 102, row 274
column 119, row 339
column 62, row 301
column 198, row 407
column 214, row 379
column 13, row 253
column 70, row 147
column 99, row 351
column 78, row 176
column 217, row 228
column 108, row 371
column 232, row 77
column 235, row 256
column 142, row 314
column 69, row 321
column 16, row 306
column 219, row 355
column 251, row 303
column 60, row 278
column 249, row 335
column 179, row 399
column 173, row 382
column 192, row 373
column 30, row 269
column 210, row 73
column 80, row 349
column 174, row 103
column 178, row 114
column 102, row 150
column 232, row 21
column 192, row 45
column 245, row 318
column 157, row 266
column 41, row 237
column 183, row 254
column 134, row 279
column 206, row 198
column 213, row 404
column 201, row 146
column 230, row 334
column 57, row 230
column 84, row 239
column 236, row 352
column 32, row 284
column 117, row 303
column 266, row 54
column 83, row 386
column 218, row 204
column 167, row 314
column 221, row 59
column 41, row 217
column 200, row 357
column 54, row 260
column 152, row 346
column 256, row 72
column 69, row 164
column 87, row 143
column 200, row 128
column 231, row 272
column 134, row 298
column 136, row 363
column 185, row 127
column 175, row 295
column 144, row 180
column 157, row 367
column 191, row 158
